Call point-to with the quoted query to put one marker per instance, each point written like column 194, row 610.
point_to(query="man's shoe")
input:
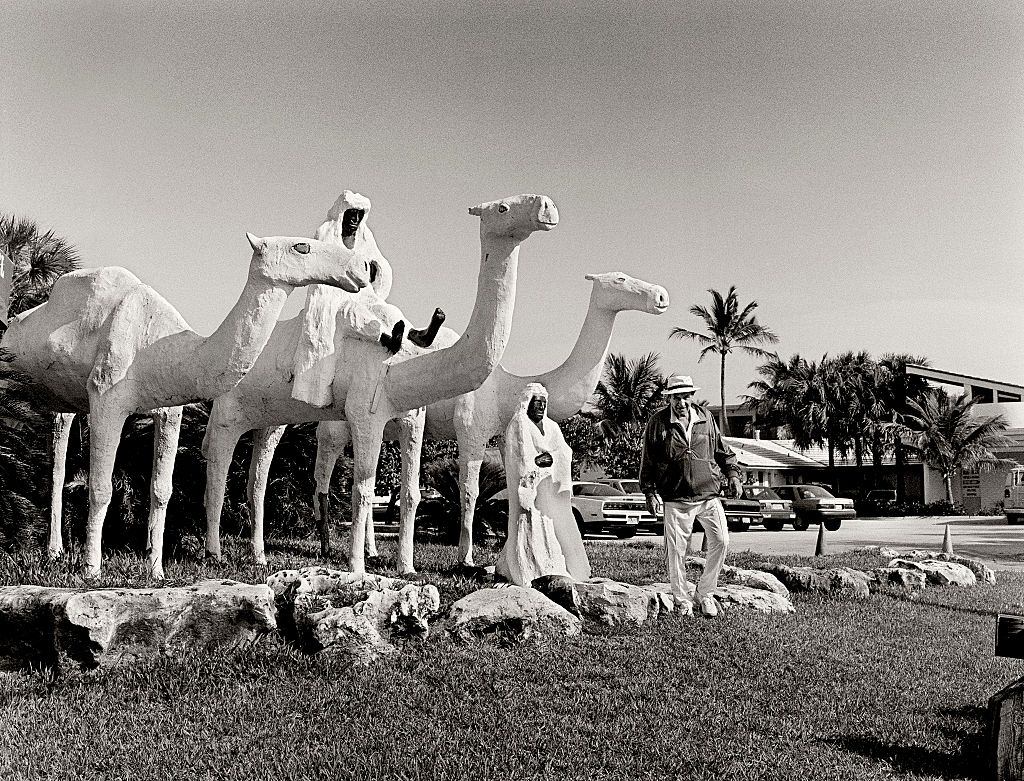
column 684, row 607
column 709, row 607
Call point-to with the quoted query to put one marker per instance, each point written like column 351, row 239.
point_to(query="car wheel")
column 1013, row 519
column 625, row 534
column 579, row 522
column 659, row 529
column 833, row 524
column 738, row 527
column 774, row 526
column 800, row 524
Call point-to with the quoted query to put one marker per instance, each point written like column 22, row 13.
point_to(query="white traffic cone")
column 947, row 542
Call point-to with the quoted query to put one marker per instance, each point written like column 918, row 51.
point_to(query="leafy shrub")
column 439, row 517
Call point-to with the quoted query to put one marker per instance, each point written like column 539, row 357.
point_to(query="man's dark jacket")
column 684, row 472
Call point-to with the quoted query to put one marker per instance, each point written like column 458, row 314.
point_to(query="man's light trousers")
column 679, row 517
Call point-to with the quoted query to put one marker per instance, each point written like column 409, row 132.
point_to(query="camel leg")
column 166, row 427
column 471, row 456
column 218, row 447
column 331, row 438
column 264, row 443
column 104, row 437
column 61, row 433
column 410, row 442
column 367, row 434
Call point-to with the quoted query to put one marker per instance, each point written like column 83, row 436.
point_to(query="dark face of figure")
column 535, row 411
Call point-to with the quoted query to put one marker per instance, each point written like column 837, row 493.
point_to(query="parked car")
column 775, row 511
column 814, row 504
column 1013, row 495
column 648, row 523
column 603, row 508
column 741, row 513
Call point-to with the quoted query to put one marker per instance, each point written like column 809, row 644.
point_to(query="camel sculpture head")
column 298, row 261
column 516, row 217
column 346, row 225
column 618, row 292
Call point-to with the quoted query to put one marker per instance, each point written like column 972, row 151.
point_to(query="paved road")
column 990, row 539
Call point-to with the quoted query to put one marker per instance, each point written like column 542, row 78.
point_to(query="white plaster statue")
column 477, row 416
column 366, row 314
column 542, row 535
column 370, row 387
column 107, row 344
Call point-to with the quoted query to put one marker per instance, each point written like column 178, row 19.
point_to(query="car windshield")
column 759, row 492
column 595, row 489
column 813, row 492
column 630, row 486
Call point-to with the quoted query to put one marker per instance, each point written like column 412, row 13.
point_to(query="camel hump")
column 139, row 319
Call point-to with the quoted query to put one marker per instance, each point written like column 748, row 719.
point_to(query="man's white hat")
column 679, row 383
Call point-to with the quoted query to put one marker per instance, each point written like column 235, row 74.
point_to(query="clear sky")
column 856, row 167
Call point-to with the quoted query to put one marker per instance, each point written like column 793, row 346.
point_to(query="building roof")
column 770, row 454
column 820, row 454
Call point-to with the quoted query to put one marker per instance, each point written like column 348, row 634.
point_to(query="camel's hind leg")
column 410, row 442
column 331, row 438
column 366, row 440
column 264, row 443
column 61, row 433
column 166, row 428
column 218, row 447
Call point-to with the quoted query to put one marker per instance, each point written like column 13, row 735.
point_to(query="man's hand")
column 654, row 505
column 735, row 487
column 544, row 460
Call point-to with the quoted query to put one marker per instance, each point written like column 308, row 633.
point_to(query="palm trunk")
column 832, row 464
column 948, row 480
column 876, row 458
column 901, row 487
column 724, row 426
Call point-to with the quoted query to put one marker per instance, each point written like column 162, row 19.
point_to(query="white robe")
column 543, row 538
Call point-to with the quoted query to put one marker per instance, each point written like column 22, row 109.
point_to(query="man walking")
column 681, row 469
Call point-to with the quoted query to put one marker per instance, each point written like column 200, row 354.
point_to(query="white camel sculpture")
column 108, row 345
column 369, row 388
column 475, row 417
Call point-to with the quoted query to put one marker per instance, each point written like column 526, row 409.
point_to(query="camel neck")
column 465, row 365
column 570, row 384
column 221, row 360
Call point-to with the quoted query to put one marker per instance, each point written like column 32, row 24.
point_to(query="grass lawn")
column 879, row 689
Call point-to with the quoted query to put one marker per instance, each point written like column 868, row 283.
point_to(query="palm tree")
column 807, row 397
column 948, row 437
column 627, row 395
column 893, row 388
column 729, row 328
column 38, row 258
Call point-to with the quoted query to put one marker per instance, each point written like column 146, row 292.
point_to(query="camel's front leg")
column 331, row 438
column 166, row 427
column 104, row 437
column 61, row 432
column 410, row 441
column 471, row 455
column 366, row 440
column 218, row 447
column 264, row 443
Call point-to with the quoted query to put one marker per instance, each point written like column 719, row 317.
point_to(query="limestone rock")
column 939, row 573
column 560, row 589
column 511, row 613
column 732, row 595
column 322, row 580
column 980, row 570
column 839, row 580
column 50, row 626
column 909, row 579
column 762, row 600
column 753, row 578
column 612, row 603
